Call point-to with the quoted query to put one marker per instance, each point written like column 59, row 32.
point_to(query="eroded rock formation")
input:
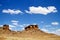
column 30, row 27
column 31, row 32
column 5, row 28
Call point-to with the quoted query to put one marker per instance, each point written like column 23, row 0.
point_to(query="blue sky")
column 21, row 13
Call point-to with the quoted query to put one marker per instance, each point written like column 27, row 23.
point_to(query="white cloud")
column 45, row 30
column 15, row 22
column 57, row 32
column 47, row 25
column 12, row 26
column 55, row 23
column 10, row 11
column 24, row 25
column 1, row 25
column 41, row 10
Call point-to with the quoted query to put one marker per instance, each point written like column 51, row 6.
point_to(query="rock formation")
column 31, row 32
column 5, row 28
column 31, row 27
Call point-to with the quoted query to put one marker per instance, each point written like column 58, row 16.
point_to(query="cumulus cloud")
column 41, row 10
column 55, row 23
column 11, row 11
column 15, row 22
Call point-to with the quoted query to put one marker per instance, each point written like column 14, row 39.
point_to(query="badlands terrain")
column 31, row 32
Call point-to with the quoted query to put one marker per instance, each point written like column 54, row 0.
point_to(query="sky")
column 20, row 13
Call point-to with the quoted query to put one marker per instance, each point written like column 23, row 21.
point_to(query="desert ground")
column 30, row 33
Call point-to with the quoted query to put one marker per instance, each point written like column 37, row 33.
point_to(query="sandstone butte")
column 31, row 32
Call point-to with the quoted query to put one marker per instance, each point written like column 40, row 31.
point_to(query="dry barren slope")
column 28, row 34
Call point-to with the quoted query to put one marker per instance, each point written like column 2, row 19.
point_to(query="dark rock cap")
column 5, row 27
column 31, row 27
